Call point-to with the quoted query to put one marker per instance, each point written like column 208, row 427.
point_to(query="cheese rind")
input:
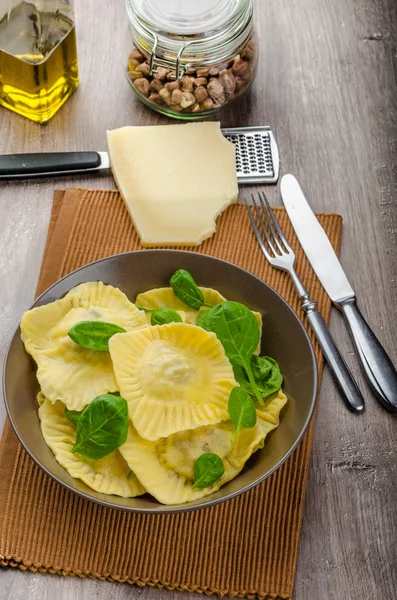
column 174, row 179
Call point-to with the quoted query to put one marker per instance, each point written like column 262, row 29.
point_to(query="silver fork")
column 281, row 256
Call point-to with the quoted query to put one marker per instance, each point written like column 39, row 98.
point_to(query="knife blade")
column 377, row 366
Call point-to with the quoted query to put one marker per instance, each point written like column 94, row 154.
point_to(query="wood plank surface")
column 327, row 86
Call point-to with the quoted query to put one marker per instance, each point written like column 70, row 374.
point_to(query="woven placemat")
column 245, row 547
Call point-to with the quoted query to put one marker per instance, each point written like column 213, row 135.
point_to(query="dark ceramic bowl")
column 284, row 338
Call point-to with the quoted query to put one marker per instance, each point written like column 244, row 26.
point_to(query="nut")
column 241, row 83
column 202, row 72
column 200, row 81
column 156, row 98
column 187, row 99
column 144, row 69
column 172, row 85
column 155, row 85
column 214, row 71
column 132, row 64
column 176, row 107
column 136, row 55
column 228, row 81
column 134, row 75
column 241, row 68
column 162, row 73
column 248, row 51
column 187, row 83
column 216, row 92
column 195, row 108
column 207, row 104
column 200, row 93
column 176, row 96
column 142, row 85
column 165, row 95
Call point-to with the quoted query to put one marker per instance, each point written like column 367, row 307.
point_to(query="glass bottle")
column 191, row 58
column 38, row 56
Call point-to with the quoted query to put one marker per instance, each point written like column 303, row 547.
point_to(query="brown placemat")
column 246, row 547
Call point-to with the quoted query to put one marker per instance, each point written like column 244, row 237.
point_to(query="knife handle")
column 46, row 163
column 339, row 369
column 378, row 368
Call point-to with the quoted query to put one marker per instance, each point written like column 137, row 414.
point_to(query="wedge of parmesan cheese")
column 175, row 179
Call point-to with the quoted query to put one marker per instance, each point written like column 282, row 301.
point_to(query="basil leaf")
column 162, row 316
column 186, row 289
column 242, row 410
column 73, row 415
column 261, row 366
column 94, row 335
column 274, row 380
column 207, row 469
column 237, row 329
column 146, row 310
column 267, row 385
column 102, row 427
column 202, row 318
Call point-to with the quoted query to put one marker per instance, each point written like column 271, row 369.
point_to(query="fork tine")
column 276, row 224
column 270, row 218
column 263, row 226
column 256, row 231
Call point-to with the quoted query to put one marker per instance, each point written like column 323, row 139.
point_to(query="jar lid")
column 180, row 33
column 188, row 17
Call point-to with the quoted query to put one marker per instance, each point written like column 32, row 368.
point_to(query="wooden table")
column 327, row 87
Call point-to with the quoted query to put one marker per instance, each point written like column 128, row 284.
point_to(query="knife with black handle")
column 377, row 366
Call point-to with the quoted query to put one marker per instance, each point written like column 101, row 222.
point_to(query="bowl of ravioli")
column 160, row 381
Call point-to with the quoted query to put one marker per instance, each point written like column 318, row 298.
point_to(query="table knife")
column 377, row 366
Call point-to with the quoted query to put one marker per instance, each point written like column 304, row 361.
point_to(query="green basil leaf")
column 162, row 316
column 267, row 385
column 102, row 427
column 202, row 318
column 94, row 335
column 146, row 310
column 260, row 366
column 273, row 381
column 73, row 415
column 207, row 469
column 186, row 289
column 242, row 410
column 237, row 329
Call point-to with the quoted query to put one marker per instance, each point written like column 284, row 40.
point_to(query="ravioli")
column 109, row 475
column 174, row 377
column 66, row 371
column 37, row 323
column 166, row 467
column 165, row 297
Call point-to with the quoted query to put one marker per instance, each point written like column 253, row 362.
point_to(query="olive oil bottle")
column 38, row 57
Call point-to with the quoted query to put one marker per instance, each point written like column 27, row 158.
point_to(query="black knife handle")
column 30, row 165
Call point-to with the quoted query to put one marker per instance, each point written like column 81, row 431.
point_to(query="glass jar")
column 191, row 57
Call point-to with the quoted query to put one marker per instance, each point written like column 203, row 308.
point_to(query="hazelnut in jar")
column 190, row 59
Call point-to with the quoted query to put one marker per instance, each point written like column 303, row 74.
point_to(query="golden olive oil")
column 38, row 61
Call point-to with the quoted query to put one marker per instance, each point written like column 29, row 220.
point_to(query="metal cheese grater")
column 257, row 158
